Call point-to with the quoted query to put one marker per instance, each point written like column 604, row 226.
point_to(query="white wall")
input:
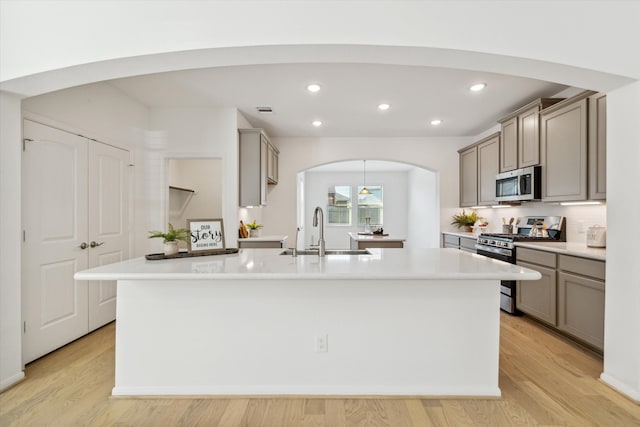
column 184, row 133
column 575, row 215
column 622, row 303
column 497, row 36
column 298, row 154
column 204, row 176
column 424, row 210
column 98, row 111
column 394, row 195
column 10, row 238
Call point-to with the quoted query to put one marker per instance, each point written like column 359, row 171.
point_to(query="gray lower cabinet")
column 581, row 289
column 538, row 297
column 569, row 297
column 467, row 244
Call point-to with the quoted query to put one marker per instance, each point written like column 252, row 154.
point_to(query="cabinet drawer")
column 537, row 257
column 583, row 266
column 452, row 240
column 468, row 244
column 449, row 245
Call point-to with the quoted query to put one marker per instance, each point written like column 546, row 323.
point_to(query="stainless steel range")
column 501, row 246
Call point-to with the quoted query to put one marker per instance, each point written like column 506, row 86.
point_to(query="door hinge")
column 24, row 236
column 24, row 326
column 24, row 143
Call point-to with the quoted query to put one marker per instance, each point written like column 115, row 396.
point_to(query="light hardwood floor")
column 545, row 380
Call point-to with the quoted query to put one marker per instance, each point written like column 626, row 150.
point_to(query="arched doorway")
column 404, row 201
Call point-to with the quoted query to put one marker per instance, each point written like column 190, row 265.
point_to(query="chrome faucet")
column 321, row 245
column 294, row 251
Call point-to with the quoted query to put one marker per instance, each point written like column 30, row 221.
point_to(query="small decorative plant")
column 253, row 225
column 171, row 238
column 465, row 220
column 172, row 235
column 253, row 228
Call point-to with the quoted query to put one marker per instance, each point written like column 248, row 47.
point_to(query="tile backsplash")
column 576, row 217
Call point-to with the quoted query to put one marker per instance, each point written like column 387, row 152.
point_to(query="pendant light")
column 364, row 190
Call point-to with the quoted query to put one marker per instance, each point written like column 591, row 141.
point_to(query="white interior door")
column 108, row 225
column 54, row 206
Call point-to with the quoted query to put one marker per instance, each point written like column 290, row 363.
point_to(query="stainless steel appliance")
column 501, row 246
column 519, row 184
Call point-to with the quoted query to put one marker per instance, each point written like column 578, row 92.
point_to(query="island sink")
column 328, row 252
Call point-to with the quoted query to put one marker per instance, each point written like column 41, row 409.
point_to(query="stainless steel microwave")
column 519, row 184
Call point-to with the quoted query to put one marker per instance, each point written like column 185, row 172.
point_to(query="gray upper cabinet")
column 272, row 164
column 520, row 135
column 563, row 144
column 253, row 155
column 598, row 146
column 469, row 176
column 479, row 164
column 509, row 145
column 529, row 137
column 488, row 167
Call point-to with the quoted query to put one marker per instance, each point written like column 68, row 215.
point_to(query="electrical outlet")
column 322, row 343
column 580, row 226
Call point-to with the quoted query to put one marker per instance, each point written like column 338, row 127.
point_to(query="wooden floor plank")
column 545, row 380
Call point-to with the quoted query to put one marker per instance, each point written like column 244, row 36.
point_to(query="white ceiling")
column 347, row 102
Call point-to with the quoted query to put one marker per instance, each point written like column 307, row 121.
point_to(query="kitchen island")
column 394, row 322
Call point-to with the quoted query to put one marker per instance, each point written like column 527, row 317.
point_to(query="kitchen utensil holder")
column 507, row 228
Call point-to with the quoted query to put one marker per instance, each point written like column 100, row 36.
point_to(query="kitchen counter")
column 567, row 248
column 395, row 322
column 275, row 241
column 363, row 241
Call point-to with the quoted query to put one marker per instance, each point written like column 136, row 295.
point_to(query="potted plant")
column 253, row 228
column 465, row 220
column 171, row 238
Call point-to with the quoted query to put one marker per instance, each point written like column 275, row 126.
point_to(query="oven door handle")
column 499, row 251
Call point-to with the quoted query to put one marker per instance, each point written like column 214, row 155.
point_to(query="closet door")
column 54, row 215
column 108, row 224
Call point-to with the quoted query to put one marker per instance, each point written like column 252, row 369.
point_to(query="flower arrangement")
column 465, row 220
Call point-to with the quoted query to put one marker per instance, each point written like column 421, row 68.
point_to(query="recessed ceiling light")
column 436, row 122
column 316, row 123
column 478, row 87
column 383, row 107
column 313, row 87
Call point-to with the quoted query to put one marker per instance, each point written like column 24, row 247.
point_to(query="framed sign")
column 205, row 235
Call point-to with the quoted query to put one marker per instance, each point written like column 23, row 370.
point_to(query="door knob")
column 83, row 245
column 94, row 244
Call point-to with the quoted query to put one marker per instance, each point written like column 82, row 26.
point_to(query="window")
column 370, row 206
column 339, row 205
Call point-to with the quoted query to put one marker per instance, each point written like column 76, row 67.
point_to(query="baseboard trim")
column 11, row 381
column 621, row 387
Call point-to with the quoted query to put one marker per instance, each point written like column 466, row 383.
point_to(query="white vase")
column 171, row 248
column 254, row 232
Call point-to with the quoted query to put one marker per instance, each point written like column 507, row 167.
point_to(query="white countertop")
column 369, row 237
column 567, row 248
column 274, row 238
column 384, row 264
